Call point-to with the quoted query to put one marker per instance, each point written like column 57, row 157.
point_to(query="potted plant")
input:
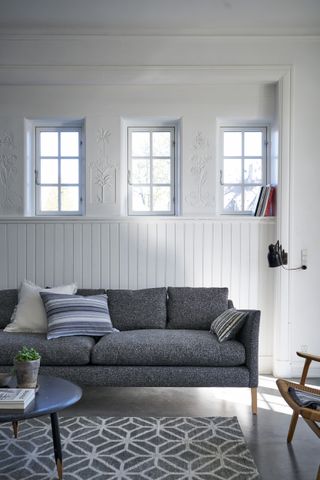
column 26, row 364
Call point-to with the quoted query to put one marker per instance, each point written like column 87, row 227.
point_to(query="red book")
column 269, row 210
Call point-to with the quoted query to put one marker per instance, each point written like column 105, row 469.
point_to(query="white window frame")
column 265, row 155
column 173, row 184
column 38, row 184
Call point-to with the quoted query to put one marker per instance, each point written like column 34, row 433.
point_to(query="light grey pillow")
column 227, row 325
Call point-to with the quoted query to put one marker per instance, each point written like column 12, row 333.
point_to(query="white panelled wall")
column 146, row 253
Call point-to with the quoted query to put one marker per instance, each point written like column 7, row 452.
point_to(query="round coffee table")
column 54, row 394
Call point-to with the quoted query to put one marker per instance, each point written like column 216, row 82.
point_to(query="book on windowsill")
column 265, row 203
column 16, row 398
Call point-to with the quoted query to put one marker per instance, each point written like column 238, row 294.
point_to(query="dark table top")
column 54, row 394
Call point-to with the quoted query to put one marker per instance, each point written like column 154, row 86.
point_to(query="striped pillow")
column 70, row 315
column 228, row 324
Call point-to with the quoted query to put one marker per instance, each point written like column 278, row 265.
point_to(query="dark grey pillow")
column 8, row 302
column 195, row 308
column 135, row 309
column 228, row 324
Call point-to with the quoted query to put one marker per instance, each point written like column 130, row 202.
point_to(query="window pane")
column 161, row 199
column 69, row 144
column 49, row 199
column 140, row 145
column 253, row 170
column 161, row 144
column 253, row 144
column 70, row 170
column 49, row 170
column 69, row 199
column 48, row 144
column 232, row 170
column 161, row 170
column 140, row 199
column 140, row 172
column 232, row 145
column 251, row 198
column 232, row 199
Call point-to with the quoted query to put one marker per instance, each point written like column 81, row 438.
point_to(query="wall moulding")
column 229, row 219
column 138, row 74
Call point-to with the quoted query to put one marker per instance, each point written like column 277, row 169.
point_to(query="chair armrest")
column 316, row 358
column 249, row 337
column 307, row 361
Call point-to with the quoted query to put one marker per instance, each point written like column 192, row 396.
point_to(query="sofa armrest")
column 249, row 337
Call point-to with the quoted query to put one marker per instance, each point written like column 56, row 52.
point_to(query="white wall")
column 124, row 60
column 104, row 107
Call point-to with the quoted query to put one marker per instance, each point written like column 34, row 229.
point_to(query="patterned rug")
column 124, row 448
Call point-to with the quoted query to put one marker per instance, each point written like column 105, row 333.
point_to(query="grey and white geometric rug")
column 129, row 448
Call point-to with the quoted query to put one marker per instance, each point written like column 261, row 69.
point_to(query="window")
column 151, row 170
column 58, row 172
column 244, row 165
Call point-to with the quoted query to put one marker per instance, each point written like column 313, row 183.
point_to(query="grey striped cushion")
column 70, row 315
column 228, row 324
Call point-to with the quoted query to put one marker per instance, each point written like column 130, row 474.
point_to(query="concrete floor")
column 265, row 433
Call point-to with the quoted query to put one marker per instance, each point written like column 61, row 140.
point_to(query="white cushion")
column 30, row 315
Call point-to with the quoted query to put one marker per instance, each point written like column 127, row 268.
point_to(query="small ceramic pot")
column 27, row 373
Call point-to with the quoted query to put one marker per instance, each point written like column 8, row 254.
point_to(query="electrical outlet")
column 304, row 348
column 304, row 257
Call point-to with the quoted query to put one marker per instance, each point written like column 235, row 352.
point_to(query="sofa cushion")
column 134, row 309
column 70, row 315
column 167, row 347
column 195, row 308
column 86, row 292
column 8, row 302
column 60, row 351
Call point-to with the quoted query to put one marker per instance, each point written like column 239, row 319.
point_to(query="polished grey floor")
column 265, row 433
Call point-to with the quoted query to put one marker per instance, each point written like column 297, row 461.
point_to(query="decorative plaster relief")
column 202, row 196
column 103, row 172
column 9, row 192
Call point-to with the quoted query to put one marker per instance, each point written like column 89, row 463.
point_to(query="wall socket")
column 304, row 257
column 304, row 348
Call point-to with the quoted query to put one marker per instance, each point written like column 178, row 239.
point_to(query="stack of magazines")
column 16, row 398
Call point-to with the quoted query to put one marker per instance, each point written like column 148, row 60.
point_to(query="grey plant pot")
column 27, row 373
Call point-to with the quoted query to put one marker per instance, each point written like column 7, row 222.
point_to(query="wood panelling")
column 139, row 254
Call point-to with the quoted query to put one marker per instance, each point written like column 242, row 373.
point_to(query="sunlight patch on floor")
column 242, row 396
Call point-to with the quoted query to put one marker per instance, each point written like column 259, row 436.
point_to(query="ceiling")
column 173, row 17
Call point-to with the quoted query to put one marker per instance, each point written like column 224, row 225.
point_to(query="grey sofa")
column 164, row 340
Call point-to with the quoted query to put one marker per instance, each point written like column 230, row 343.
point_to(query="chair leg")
column 292, row 427
column 318, row 476
column 254, row 401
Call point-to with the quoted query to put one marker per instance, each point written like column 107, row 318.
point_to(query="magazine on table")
column 16, row 398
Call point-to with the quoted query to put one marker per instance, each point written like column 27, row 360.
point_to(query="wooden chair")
column 309, row 415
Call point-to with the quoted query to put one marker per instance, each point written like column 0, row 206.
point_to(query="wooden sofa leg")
column 254, row 401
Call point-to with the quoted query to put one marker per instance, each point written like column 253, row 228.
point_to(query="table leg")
column 56, row 443
column 15, row 427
